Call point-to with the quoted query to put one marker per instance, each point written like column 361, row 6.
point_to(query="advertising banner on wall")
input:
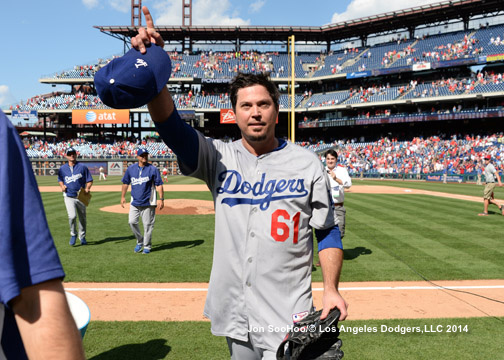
column 94, row 166
column 227, row 116
column 24, row 114
column 360, row 74
column 115, row 168
column 100, row 116
column 421, row 66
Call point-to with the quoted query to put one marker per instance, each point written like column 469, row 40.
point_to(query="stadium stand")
column 362, row 87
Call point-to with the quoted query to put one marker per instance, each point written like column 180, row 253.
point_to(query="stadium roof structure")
column 437, row 13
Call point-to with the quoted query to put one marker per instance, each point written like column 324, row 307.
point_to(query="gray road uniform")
column 265, row 209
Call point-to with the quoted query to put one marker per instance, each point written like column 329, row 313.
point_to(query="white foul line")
column 370, row 288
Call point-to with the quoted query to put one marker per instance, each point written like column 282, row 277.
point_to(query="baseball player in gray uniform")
column 269, row 194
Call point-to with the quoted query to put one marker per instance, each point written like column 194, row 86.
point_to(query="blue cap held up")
column 133, row 79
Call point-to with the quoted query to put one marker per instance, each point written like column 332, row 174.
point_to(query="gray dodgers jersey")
column 265, row 209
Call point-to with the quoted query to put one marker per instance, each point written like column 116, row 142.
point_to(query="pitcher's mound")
column 173, row 207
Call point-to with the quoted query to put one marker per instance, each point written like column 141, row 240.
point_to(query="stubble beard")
column 255, row 138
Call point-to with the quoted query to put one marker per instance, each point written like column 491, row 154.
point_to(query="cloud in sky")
column 257, row 5
column 204, row 12
column 6, row 97
column 123, row 6
column 362, row 8
column 90, row 4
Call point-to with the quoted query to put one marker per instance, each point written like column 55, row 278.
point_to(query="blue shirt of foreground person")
column 35, row 319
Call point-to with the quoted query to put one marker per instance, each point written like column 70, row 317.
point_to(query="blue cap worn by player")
column 71, row 151
column 133, row 79
column 142, row 151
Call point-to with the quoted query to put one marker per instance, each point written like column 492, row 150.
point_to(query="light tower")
column 136, row 12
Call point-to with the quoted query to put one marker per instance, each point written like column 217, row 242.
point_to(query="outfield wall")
column 112, row 167
column 43, row 167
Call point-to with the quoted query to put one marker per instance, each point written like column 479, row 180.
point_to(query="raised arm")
column 179, row 136
column 161, row 107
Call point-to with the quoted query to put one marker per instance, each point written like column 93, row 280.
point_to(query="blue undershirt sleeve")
column 329, row 238
column 181, row 138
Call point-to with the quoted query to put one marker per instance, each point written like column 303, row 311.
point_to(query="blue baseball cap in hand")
column 134, row 79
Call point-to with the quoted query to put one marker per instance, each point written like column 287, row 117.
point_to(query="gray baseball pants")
column 148, row 214
column 75, row 208
column 244, row 350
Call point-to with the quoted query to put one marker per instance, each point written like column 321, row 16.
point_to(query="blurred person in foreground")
column 35, row 319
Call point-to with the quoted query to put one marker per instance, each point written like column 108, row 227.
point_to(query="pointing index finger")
column 148, row 17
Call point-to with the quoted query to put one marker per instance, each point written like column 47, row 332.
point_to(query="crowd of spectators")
column 454, row 154
column 457, row 155
column 93, row 150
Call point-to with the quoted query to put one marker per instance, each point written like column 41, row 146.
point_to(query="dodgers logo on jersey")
column 139, row 180
column 271, row 190
column 73, row 178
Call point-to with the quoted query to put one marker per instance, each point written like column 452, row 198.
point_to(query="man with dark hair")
column 269, row 195
column 74, row 177
column 339, row 180
column 245, row 80
column 145, row 180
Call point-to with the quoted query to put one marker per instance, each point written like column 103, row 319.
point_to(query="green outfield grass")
column 453, row 188
column 116, row 180
column 475, row 338
column 388, row 237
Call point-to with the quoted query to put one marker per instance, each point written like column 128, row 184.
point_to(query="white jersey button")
column 249, row 259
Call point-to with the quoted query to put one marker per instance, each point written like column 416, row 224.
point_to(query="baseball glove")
column 312, row 338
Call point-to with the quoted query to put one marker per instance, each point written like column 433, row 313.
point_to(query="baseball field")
column 423, row 274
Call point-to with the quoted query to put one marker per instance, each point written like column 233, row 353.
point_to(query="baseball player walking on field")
column 269, row 194
column 72, row 178
column 145, row 180
column 491, row 178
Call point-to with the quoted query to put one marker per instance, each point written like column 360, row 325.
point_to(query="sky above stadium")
column 42, row 38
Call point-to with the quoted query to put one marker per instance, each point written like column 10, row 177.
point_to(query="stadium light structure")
column 292, row 93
